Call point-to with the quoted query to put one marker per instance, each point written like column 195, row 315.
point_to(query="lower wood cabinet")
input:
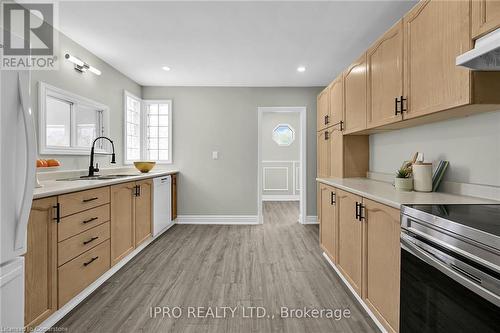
column 41, row 263
column 328, row 221
column 122, row 220
column 143, row 211
column 350, row 239
column 362, row 237
column 80, row 272
column 382, row 270
column 174, row 197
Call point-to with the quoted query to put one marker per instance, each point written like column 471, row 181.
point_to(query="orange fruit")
column 53, row 163
column 41, row 163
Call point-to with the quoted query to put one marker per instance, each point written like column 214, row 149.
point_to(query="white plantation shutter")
column 158, row 144
column 132, row 128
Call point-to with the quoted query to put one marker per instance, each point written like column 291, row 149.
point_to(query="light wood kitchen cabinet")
column 122, row 220
column 355, row 96
column 336, row 91
column 80, row 201
column 435, row 33
column 323, row 153
column 143, row 211
column 328, row 221
column 336, row 154
column 485, row 17
column 41, row 263
column 350, row 239
column 382, row 270
column 323, row 110
column 385, row 78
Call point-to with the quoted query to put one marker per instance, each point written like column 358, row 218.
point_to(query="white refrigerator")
column 17, row 179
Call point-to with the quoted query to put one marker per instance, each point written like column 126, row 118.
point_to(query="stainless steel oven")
column 450, row 268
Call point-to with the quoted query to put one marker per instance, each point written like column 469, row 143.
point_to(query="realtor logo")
column 29, row 36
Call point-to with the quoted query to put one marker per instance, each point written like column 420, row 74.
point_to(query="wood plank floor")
column 277, row 264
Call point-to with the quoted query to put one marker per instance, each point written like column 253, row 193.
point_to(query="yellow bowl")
column 144, row 167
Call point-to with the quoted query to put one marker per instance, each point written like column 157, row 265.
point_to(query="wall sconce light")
column 80, row 65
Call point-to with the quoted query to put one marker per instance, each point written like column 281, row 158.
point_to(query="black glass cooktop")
column 482, row 217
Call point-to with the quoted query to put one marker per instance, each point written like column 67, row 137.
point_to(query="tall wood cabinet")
column 355, row 96
column 382, row 262
column 41, row 263
column 122, row 220
column 485, row 17
column 328, row 221
column 350, row 239
column 385, row 78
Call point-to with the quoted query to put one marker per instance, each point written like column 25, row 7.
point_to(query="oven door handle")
column 431, row 257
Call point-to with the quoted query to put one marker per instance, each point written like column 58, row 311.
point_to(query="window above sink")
column 68, row 123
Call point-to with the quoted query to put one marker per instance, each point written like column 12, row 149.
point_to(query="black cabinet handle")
column 90, row 240
column 396, row 109
column 402, row 102
column 361, row 209
column 90, row 261
column 58, row 212
column 90, row 199
column 90, row 220
column 327, row 135
column 138, row 190
column 327, row 119
column 357, row 210
column 333, row 199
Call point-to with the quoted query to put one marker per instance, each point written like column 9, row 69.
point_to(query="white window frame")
column 293, row 134
column 44, row 90
column 143, row 127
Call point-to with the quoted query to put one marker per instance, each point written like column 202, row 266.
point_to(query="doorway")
column 281, row 165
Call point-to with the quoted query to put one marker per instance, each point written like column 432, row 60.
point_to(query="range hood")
column 485, row 56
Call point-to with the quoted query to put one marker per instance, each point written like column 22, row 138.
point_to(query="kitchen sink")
column 98, row 177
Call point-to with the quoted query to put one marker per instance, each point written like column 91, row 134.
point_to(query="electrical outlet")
column 215, row 155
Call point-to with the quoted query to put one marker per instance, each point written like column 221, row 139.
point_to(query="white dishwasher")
column 162, row 205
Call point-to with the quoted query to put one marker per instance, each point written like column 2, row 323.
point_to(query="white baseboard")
column 311, row 219
column 358, row 298
column 286, row 197
column 217, row 219
column 66, row 308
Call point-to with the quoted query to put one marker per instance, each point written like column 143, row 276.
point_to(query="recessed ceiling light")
column 301, row 69
column 166, row 68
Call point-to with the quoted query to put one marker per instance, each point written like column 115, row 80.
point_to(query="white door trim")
column 303, row 154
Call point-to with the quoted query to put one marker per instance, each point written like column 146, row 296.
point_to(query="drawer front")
column 76, row 202
column 77, row 223
column 80, row 272
column 76, row 245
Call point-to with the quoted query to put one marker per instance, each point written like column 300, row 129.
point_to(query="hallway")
column 277, row 264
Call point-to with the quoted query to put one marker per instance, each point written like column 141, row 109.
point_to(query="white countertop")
column 55, row 187
column 385, row 193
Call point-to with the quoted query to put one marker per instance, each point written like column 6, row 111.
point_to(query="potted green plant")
column 404, row 180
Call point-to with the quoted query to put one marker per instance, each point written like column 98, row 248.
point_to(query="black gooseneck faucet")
column 93, row 169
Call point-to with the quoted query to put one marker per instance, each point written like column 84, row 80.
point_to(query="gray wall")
column 224, row 119
column 106, row 88
column 471, row 144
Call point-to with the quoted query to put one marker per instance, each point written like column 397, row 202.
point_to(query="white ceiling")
column 229, row 43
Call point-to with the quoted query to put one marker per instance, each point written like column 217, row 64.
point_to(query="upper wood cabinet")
column 41, row 263
column 328, row 226
column 435, row 33
column 143, row 211
column 385, row 78
column 382, row 269
column 323, row 109
column 122, row 220
column 355, row 96
column 350, row 244
column 485, row 17
column 336, row 92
